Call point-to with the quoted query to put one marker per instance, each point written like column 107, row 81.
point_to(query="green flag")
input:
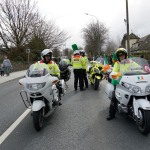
column 105, row 60
column 75, row 47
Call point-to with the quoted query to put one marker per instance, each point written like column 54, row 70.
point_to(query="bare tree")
column 111, row 47
column 50, row 33
column 17, row 17
column 66, row 51
column 94, row 35
column 56, row 52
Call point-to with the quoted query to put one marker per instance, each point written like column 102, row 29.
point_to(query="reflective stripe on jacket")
column 53, row 68
column 118, row 67
column 76, row 62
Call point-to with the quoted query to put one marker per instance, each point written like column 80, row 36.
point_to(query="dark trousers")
column 78, row 76
column 85, row 80
column 113, row 105
column 2, row 73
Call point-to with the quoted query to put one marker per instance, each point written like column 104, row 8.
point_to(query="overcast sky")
column 70, row 16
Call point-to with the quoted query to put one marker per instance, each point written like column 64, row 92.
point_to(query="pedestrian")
column 84, row 67
column 7, row 66
column 2, row 70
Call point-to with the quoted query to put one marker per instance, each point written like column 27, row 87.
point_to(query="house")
column 138, row 46
column 142, row 47
column 132, row 39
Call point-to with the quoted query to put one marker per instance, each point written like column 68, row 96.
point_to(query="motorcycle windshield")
column 38, row 70
column 134, row 66
column 100, row 60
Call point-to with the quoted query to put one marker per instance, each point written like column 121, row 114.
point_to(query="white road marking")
column 13, row 126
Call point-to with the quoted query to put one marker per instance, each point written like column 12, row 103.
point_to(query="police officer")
column 76, row 62
column 46, row 57
column 84, row 67
column 121, row 54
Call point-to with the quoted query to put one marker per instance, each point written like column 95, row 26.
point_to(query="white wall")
column 131, row 41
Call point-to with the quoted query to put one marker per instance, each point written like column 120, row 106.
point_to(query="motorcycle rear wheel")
column 38, row 119
column 144, row 125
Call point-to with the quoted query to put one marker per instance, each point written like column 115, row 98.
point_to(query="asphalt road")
column 79, row 124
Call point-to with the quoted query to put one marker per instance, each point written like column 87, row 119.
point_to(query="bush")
column 19, row 66
column 19, row 58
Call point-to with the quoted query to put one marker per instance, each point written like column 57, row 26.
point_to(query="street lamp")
column 92, row 16
column 127, row 23
column 97, row 23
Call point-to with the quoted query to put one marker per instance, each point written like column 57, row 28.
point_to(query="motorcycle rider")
column 84, row 67
column 46, row 57
column 76, row 62
column 121, row 54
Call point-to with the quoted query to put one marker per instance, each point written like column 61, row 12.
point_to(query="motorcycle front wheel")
column 96, row 84
column 144, row 122
column 38, row 119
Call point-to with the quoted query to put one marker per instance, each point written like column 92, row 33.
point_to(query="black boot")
column 60, row 104
column 110, row 117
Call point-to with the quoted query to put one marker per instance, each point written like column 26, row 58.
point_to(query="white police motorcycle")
column 42, row 92
column 132, row 91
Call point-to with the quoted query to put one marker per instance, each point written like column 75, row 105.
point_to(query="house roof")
column 143, row 44
column 143, row 38
column 133, row 36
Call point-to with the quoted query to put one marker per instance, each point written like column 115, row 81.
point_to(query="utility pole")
column 127, row 19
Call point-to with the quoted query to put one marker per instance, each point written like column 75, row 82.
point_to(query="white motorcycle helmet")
column 46, row 52
column 82, row 52
column 76, row 52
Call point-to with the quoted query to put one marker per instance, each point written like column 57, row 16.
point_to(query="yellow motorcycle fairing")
column 97, row 77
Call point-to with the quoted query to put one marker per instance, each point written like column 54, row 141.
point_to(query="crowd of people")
column 79, row 62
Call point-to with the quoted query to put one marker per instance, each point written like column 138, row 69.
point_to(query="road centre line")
column 13, row 126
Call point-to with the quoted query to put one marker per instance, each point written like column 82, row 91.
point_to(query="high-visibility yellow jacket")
column 76, row 62
column 119, row 67
column 53, row 68
column 84, row 62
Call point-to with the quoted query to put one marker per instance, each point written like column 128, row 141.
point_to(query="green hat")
column 75, row 47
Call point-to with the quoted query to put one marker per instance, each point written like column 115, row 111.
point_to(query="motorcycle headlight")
column 35, row 86
column 136, row 89
column 147, row 90
column 132, row 88
column 96, row 70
